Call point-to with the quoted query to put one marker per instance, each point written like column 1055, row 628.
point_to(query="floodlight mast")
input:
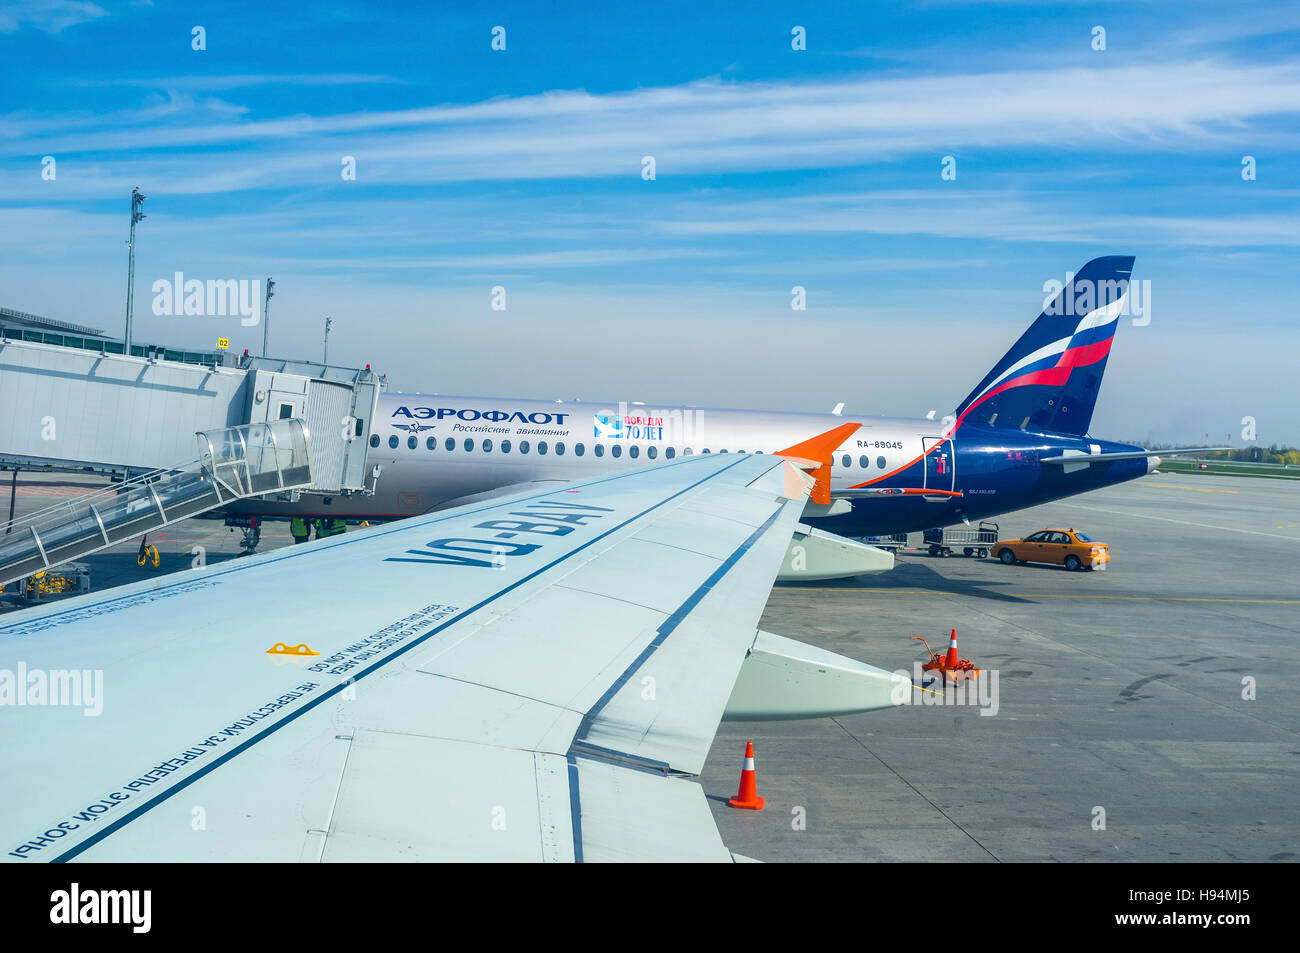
column 137, row 203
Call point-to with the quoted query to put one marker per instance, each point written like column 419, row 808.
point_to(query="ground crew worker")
column 319, row 524
column 299, row 530
column 338, row 526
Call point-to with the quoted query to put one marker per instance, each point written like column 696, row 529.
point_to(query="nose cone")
column 1152, row 464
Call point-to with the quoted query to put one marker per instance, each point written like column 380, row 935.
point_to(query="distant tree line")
column 1277, row 453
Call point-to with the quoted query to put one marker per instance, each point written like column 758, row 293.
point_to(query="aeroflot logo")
column 496, row 416
column 75, row 905
column 545, row 520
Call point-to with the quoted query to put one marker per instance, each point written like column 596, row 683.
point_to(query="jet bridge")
column 232, row 464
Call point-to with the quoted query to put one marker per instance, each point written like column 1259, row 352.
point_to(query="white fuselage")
column 434, row 450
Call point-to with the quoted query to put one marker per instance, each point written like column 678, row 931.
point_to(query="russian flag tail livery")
column 1050, row 378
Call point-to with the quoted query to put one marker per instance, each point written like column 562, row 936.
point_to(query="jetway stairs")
column 232, row 463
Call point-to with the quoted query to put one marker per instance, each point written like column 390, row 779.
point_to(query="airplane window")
column 487, row 446
column 688, row 452
column 652, row 452
column 847, row 461
column 880, row 462
column 616, row 450
column 450, row 443
column 541, row 446
column 579, row 449
column 523, row 446
column 392, row 442
column 374, row 440
column 707, row 450
column 634, row 451
column 559, row 448
column 410, row 443
column 431, row 443
column 600, row 449
column 469, row 444
column 864, row 462
column 669, row 453
column 505, row 446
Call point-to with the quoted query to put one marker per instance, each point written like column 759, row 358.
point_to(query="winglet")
column 819, row 449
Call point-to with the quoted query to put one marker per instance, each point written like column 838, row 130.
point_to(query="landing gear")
column 252, row 536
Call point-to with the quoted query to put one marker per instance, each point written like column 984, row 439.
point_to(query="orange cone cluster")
column 949, row 666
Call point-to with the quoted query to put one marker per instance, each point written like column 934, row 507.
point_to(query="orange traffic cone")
column 747, row 796
column 951, row 659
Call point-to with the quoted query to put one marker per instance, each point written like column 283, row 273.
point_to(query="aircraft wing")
column 535, row 678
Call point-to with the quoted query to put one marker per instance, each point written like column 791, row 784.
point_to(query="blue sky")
column 774, row 168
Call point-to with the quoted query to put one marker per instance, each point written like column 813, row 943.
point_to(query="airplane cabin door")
column 939, row 469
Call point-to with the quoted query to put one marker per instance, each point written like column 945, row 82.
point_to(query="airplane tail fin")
column 1050, row 378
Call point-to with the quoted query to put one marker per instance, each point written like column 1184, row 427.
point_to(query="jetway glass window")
column 392, row 442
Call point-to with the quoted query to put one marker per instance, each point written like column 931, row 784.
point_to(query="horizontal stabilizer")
column 1126, row 455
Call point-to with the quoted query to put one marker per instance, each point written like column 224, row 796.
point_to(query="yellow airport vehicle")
column 1059, row 547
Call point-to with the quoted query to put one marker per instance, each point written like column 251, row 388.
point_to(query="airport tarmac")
column 1120, row 690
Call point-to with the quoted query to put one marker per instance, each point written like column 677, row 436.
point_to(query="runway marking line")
column 1047, row 595
column 1190, row 489
column 1166, row 519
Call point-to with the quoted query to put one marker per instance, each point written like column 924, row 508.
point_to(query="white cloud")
column 51, row 16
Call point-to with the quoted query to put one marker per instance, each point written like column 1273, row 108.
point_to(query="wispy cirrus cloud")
column 198, row 83
column 712, row 126
column 50, row 16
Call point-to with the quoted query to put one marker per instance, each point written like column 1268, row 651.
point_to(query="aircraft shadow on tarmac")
column 915, row 574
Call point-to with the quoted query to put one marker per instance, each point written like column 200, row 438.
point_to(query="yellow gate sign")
column 223, row 344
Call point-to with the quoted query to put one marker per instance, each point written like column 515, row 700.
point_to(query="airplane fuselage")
column 434, row 451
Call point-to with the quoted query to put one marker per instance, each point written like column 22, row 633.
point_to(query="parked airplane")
column 1020, row 438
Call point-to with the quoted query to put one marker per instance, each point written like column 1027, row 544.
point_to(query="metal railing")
column 233, row 463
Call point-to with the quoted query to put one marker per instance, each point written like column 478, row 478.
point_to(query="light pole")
column 325, row 349
column 137, row 202
column 266, row 313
